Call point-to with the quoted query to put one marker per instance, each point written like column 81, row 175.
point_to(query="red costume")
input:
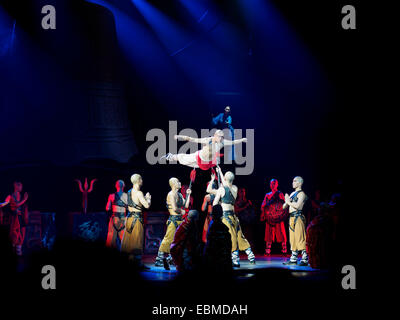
column 274, row 215
column 19, row 220
column 320, row 241
column 205, row 165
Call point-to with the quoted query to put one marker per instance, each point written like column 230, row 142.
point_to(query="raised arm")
column 221, row 176
column 210, row 189
column 187, row 200
column 205, row 202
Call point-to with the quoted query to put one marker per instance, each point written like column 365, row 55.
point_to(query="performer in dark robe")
column 319, row 237
column 217, row 252
column 185, row 249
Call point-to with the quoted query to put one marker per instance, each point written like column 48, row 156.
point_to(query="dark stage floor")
column 246, row 269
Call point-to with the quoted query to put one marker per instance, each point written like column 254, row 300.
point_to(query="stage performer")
column 19, row 216
column 320, row 238
column 185, row 249
column 297, row 221
column 227, row 194
column 244, row 210
column 208, row 156
column 132, row 242
column 212, row 188
column 117, row 203
column 224, row 121
column 273, row 214
column 176, row 205
column 184, row 188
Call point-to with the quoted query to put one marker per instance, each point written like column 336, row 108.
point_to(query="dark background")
column 305, row 99
column 305, row 120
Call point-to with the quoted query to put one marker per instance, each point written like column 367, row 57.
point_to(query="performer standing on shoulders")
column 272, row 212
column 132, row 242
column 117, row 202
column 297, row 220
column 227, row 194
column 208, row 156
column 176, row 206
column 19, row 216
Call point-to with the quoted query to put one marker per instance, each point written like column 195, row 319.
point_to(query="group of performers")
column 126, row 225
column 128, row 234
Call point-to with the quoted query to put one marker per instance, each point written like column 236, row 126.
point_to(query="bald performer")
column 132, row 242
column 176, row 204
column 226, row 196
column 117, row 203
column 208, row 156
column 297, row 221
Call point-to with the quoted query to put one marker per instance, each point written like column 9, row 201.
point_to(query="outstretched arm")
column 233, row 142
column 195, row 140
column 6, row 202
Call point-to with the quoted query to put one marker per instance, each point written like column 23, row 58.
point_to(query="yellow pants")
column 237, row 236
column 298, row 236
column 132, row 242
column 165, row 245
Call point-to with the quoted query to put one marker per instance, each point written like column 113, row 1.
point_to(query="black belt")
column 174, row 219
column 226, row 215
column 297, row 214
column 136, row 216
column 118, row 215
